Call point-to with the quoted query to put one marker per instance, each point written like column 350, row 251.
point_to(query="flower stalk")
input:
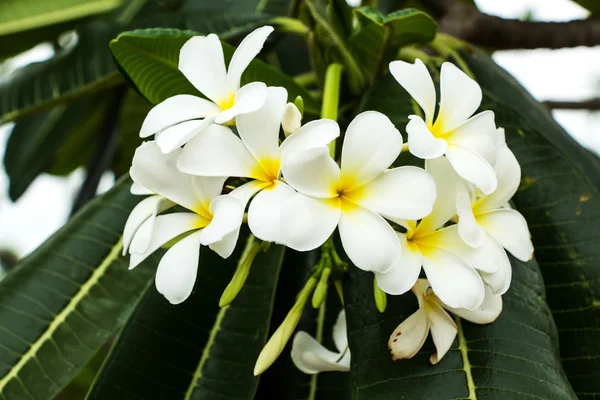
column 331, row 97
column 253, row 247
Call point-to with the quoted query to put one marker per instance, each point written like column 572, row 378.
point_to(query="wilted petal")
column 176, row 273
column 244, row 54
column 405, row 272
column 371, row 144
column 460, row 97
column 421, row 141
column 408, row 338
column 415, row 79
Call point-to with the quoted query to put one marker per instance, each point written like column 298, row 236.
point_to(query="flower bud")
column 380, row 297
column 291, row 120
column 321, row 291
column 252, row 248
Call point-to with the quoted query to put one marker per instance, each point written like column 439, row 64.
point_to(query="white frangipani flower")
column 357, row 196
column 468, row 142
column 430, row 245
column 256, row 154
column 311, row 357
column 215, row 220
column 408, row 338
column 179, row 118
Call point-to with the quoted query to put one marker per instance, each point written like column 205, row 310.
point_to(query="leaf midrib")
column 464, row 351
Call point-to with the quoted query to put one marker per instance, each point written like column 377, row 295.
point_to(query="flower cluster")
column 223, row 161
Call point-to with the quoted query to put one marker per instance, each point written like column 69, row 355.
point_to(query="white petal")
column 340, row 332
column 207, row 188
column 291, row 120
column 178, row 135
column 468, row 229
column 227, row 217
column 308, row 222
column 403, row 275
column 510, row 229
column 245, row 192
column 144, row 210
column 460, row 97
column 313, row 134
column 157, row 172
column 174, row 110
column 473, row 168
column 217, row 152
column 176, row 273
column 443, row 331
column 399, row 193
column 259, row 130
column 244, row 54
column 310, row 357
column 225, row 246
column 486, row 313
column 408, row 338
column 371, row 144
column 421, row 141
column 369, row 241
column 312, row 172
column 448, row 185
column 139, row 189
column 477, row 134
column 452, row 280
column 415, row 79
column 264, row 213
column 201, row 61
column 508, row 172
column 500, row 137
column 249, row 98
column 152, row 235
column 499, row 280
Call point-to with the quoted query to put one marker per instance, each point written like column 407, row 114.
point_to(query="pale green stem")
column 290, row 25
column 306, row 79
column 331, row 97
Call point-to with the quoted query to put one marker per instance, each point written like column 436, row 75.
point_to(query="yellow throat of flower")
column 227, row 102
column 266, row 169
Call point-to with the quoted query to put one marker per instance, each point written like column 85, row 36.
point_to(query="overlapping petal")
column 460, row 97
column 443, row 331
column 264, row 212
column 508, row 172
column 178, row 135
column 310, row 135
column 146, row 209
column 244, row 54
column 408, row 338
column 405, row 272
column 227, row 217
column 248, row 99
column 415, row 79
column 472, row 167
column 486, row 313
column 421, row 141
column 510, row 229
column 313, row 172
column 468, row 229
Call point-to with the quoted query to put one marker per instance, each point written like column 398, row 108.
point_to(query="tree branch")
column 592, row 105
column 465, row 21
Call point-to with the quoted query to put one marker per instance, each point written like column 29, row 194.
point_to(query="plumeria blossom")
column 179, row 118
column 256, row 154
column 311, row 357
column 408, row 338
column 468, row 142
column 356, row 197
column 430, row 245
column 214, row 220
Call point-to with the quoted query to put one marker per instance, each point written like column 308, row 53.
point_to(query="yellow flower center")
column 266, row 169
column 227, row 102
column 205, row 216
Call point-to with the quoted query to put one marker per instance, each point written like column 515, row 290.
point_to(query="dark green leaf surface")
column 149, row 58
column 61, row 303
column 516, row 357
column 195, row 350
column 559, row 197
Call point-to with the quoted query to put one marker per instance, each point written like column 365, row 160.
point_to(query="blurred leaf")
column 210, row 351
column 64, row 301
column 593, row 6
column 16, row 43
column 22, row 15
column 149, row 58
column 514, row 357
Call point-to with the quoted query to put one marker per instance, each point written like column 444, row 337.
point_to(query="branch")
column 465, row 21
column 593, row 105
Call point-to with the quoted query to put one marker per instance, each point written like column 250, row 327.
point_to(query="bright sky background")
column 571, row 74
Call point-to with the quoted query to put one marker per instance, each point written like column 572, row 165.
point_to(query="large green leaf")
column 516, row 357
column 22, row 15
column 149, row 58
column 560, row 199
column 196, row 350
column 61, row 303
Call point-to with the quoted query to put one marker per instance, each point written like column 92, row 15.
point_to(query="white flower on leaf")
column 468, row 142
column 179, row 118
column 408, row 338
column 311, row 357
column 215, row 220
column 357, row 196
column 430, row 245
column 256, row 154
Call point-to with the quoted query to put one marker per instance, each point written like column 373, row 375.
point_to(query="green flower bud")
column 252, row 248
column 320, row 293
column 380, row 297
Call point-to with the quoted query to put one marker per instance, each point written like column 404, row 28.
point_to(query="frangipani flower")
column 452, row 279
column 357, row 196
column 214, row 221
column 311, row 357
column 408, row 338
column 179, row 118
column 467, row 142
column 256, row 154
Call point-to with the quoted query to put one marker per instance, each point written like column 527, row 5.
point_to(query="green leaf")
column 64, row 301
column 591, row 5
column 560, row 199
column 516, row 357
column 149, row 58
column 22, row 15
column 196, row 350
column 19, row 42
